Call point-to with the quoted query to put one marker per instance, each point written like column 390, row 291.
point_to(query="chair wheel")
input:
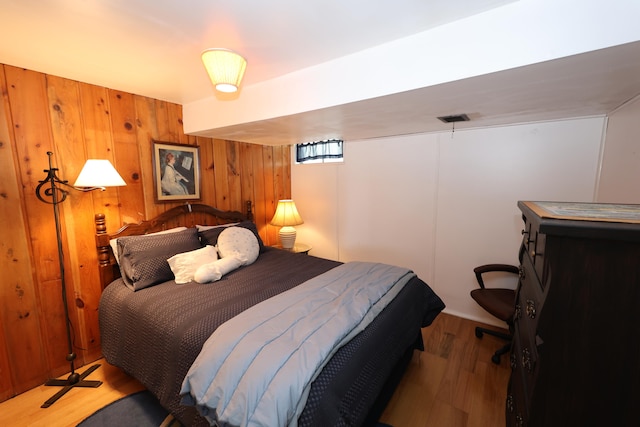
column 495, row 359
column 479, row 333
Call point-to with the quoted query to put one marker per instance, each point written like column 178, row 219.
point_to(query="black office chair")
column 498, row 302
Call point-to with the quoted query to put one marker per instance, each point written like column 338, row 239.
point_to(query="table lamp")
column 287, row 217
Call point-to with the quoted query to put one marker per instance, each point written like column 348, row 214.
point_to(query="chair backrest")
column 488, row 268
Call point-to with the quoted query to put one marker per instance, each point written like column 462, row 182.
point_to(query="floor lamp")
column 96, row 174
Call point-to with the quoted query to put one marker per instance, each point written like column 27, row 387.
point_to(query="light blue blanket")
column 256, row 369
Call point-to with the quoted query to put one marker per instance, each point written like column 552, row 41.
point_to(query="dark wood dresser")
column 575, row 358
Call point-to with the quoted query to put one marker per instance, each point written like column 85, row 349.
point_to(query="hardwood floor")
column 24, row 410
column 452, row 383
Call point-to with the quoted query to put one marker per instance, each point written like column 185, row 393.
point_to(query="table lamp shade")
column 286, row 214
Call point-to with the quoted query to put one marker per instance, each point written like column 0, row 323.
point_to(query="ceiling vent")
column 454, row 118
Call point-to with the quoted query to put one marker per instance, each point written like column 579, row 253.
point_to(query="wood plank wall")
column 76, row 121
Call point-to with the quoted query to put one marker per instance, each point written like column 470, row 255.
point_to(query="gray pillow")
column 143, row 259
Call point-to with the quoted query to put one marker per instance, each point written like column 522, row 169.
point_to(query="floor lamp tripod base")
column 74, row 380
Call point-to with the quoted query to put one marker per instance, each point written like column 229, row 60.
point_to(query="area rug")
column 139, row 409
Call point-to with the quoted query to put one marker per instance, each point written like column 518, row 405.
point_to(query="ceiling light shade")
column 99, row 173
column 225, row 68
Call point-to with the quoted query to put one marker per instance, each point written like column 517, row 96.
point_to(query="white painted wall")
column 483, row 173
column 620, row 176
column 386, row 195
column 444, row 203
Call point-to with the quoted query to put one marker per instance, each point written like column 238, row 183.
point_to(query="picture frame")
column 176, row 171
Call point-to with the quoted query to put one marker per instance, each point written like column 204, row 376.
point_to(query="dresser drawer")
column 524, row 361
column 518, row 393
column 516, row 408
column 533, row 244
column 524, row 354
column 530, row 295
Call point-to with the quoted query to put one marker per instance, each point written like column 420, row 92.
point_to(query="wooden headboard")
column 187, row 215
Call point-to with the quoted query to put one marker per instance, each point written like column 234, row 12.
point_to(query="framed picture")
column 176, row 171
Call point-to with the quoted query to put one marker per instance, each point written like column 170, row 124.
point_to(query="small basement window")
column 320, row 151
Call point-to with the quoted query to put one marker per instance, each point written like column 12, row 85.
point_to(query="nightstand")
column 299, row 248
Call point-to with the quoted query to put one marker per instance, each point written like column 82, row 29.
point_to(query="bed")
column 155, row 329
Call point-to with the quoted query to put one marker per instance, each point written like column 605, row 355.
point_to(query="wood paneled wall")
column 76, row 121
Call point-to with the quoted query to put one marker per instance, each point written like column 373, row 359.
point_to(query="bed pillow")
column 185, row 264
column 143, row 259
column 240, row 243
column 114, row 242
column 215, row 270
column 210, row 236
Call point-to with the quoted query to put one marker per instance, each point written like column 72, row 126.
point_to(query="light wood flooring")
column 452, row 383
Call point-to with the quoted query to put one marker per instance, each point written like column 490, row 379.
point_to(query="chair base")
column 502, row 350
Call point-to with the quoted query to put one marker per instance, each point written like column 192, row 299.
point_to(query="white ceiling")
column 152, row 48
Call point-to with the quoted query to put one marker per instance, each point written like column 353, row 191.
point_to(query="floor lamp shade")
column 287, row 217
column 99, row 173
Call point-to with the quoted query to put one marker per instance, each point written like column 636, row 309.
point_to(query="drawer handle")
column 526, row 360
column 530, row 309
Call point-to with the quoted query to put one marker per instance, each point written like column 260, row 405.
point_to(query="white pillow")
column 209, row 227
column 114, row 242
column 184, row 265
column 239, row 242
column 215, row 270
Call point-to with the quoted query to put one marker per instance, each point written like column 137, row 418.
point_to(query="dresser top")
column 607, row 212
column 588, row 220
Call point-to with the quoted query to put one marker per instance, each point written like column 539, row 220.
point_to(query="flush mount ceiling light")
column 225, row 68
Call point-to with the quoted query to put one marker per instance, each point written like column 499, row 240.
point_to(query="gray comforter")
column 256, row 369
